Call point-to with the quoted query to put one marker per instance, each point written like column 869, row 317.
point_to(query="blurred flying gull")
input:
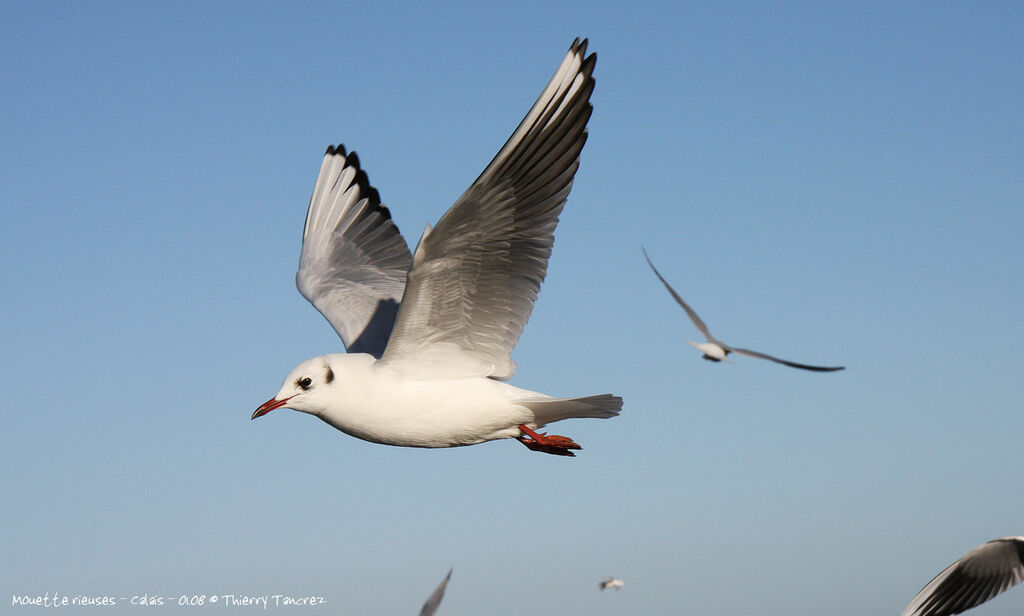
column 716, row 350
column 610, row 582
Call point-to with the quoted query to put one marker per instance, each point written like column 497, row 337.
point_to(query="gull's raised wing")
column 981, row 574
column 791, row 364
column 354, row 260
column 689, row 311
column 476, row 275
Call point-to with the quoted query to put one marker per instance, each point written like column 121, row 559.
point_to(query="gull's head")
column 307, row 388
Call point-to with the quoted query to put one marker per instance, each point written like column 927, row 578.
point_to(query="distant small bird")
column 434, row 599
column 716, row 350
column 984, row 572
column 610, row 582
column 429, row 370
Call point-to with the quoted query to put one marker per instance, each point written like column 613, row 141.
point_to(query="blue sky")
column 829, row 183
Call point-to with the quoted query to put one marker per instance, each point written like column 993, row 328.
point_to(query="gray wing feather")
column 980, row 575
column 354, row 260
column 434, row 600
column 689, row 311
column 476, row 275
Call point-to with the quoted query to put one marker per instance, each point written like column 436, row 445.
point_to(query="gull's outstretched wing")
column 476, row 275
column 354, row 260
column 981, row 574
column 434, row 600
column 689, row 311
column 791, row 364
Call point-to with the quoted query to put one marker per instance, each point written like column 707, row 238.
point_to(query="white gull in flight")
column 429, row 334
column 716, row 350
column 610, row 582
column 984, row 572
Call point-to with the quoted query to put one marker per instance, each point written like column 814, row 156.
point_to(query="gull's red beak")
column 270, row 405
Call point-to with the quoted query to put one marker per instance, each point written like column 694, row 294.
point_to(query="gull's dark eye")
column 305, row 382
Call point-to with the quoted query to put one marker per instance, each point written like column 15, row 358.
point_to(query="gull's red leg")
column 554, row 444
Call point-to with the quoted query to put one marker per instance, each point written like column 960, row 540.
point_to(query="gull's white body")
column 374, row 401
column 713, row 350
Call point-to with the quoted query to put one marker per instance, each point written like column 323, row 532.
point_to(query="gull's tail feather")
column 550, row 410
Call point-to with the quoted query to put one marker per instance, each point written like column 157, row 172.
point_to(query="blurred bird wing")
column 689, row 311
column 434, row 600
column 981, row 574
column 791, row 364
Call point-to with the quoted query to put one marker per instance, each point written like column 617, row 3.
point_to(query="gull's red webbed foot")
column 554, row 444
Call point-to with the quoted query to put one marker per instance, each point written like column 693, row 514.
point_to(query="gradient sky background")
column 828, row 183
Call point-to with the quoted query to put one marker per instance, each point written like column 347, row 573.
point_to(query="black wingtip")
column 362, row 179
column 828, row 368
column 816, row 368
column 580, row 47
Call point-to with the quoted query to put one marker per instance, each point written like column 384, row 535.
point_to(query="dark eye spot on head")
column 330, row 375
column 305, row 382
